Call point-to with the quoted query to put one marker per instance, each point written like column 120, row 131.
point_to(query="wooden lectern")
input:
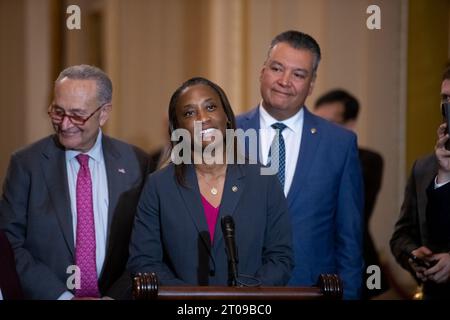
column 146, row 287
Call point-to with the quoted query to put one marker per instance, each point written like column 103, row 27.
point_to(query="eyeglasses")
column 57, row 116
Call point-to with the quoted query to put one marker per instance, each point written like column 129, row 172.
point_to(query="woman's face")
column 201, row 104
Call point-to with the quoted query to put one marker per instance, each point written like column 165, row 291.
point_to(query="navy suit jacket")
column 35, row 212
column 171, row 237
column 325, row 202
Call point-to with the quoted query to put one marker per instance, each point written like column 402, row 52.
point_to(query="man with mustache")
column 69, row 199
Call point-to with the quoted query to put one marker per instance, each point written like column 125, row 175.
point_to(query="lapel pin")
column 313, row 130
column 234, row 188
column 121, row 170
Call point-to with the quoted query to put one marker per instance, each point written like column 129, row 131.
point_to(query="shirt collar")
column 292, row 123
column 95, row 152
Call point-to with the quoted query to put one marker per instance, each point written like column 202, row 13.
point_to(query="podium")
column 146, row 287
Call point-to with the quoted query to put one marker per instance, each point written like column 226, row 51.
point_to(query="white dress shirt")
column 292, row 138
column 438, row 185
column 99, row 197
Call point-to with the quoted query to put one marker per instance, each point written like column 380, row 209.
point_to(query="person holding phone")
column 445, row 108
column 421, row 239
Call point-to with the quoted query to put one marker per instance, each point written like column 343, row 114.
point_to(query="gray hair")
column 87, row 72
column 298, row 40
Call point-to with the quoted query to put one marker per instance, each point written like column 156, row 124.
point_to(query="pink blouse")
column 211, row 214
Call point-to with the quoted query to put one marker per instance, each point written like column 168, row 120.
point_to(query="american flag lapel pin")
column 121, row 170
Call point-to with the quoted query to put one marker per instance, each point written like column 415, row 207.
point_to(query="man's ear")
column 311, row 85
column 350, row 125
column 261, row 73
column 104, row 113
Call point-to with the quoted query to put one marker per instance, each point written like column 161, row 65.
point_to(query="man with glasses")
column 69, row 199
column 421, row 240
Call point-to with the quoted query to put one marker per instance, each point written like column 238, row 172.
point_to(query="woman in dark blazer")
column 177, row 232
column 10, row 288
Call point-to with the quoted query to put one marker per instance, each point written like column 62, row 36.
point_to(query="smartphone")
column 420, row 262
column 445, row 108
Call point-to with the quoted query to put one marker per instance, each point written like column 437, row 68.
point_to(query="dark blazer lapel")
column 193, row 204
column 311, row 135
column 232, row 191
column 115, row 172
column 55, row 175
column 427, row 177
column 252, row 122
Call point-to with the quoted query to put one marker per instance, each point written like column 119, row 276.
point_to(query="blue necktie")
column 278, row 143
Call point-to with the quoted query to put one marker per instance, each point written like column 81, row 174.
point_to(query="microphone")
column 227, row 223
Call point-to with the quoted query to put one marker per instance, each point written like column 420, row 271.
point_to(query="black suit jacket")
column 411, row 229
column 35, row 212
column 9, row 281
column 171, row 236
column 372, row 170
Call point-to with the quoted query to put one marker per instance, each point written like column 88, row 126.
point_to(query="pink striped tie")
column 85, row 244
